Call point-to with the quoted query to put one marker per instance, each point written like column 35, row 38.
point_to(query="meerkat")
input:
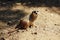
column 24, row 24
column 33, row 17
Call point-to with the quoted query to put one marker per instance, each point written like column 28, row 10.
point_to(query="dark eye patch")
column 35, row 13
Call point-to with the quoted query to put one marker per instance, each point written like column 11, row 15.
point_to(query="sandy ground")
column 47, row 25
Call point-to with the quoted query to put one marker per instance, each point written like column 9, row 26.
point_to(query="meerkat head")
column 35, row 12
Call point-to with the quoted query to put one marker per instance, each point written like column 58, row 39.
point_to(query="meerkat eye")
column 34, row 11
column 37, row 11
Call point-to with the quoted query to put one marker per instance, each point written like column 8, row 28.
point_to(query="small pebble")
column 35, row 26
column 46, row 10
column 34, row 33
column 44, row 29
column 55, row 24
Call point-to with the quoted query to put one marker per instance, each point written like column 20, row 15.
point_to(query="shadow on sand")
column 9, row 15
column 13, row 16
column 31, row 3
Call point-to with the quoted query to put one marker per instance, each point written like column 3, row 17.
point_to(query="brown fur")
column 22, row 24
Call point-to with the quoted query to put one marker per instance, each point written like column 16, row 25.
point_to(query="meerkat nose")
column 35, row 13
